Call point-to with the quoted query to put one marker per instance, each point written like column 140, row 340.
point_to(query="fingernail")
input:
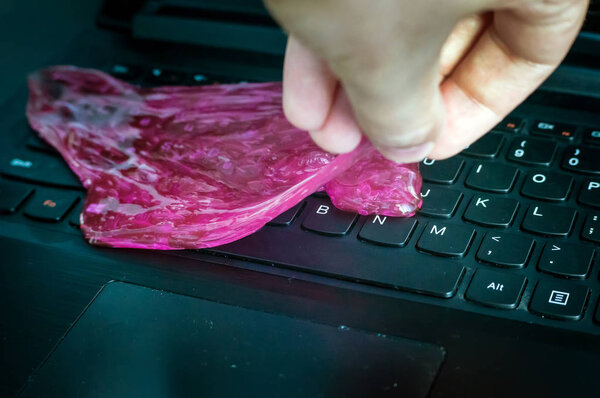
column 409, row 154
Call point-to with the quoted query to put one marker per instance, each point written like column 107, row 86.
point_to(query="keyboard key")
column 590, row 193
column 446, row 239
column 344, row 259
column 125, row 72
column 491, row 211
column 389, row 231
column 505, row 249
column 40, row 168
column 50, row 205
column 201, row 79
column 38, row 144
column 166, row 77
column 492, row 177
column 441, row 171
column 510, row 124
column 74, row 220
column 12, row 196
column 532, row 151
column 439, row 202
column 487, row 146
column 287, row 216
column 496, row 288
column 592, row 136
column 549, row 220
column 556, row 130
column 591, row 229
column 320, row 194
column 325, row 218
column 560, row 300
column 228, row 80
column 547, row 185
column 584, row 160
column 567, row 260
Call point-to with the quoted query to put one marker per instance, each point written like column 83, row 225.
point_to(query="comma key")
column 505, row 249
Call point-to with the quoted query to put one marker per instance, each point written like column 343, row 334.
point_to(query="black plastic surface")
column 134, row 341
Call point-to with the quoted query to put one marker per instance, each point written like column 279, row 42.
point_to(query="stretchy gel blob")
column 194, row 167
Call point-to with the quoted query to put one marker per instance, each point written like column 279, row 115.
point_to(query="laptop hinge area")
column 234, row 25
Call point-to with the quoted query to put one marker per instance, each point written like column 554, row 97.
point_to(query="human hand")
column 418, row 77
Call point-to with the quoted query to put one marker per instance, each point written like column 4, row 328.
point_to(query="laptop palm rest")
column 134, row 341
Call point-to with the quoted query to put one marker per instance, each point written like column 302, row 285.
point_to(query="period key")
column 567, row 260
column 496, row 288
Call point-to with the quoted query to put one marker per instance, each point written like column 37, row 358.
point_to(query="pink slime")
column 195, row 167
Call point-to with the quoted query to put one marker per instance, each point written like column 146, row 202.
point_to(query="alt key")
column 500, row 289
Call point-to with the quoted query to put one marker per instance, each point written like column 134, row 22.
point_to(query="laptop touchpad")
column 136, row 341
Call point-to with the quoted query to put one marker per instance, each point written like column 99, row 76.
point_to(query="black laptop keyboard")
column 510, row 227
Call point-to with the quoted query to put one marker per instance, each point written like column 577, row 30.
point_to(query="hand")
column 418, row 77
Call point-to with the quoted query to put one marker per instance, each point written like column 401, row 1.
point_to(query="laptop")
column 491, row 290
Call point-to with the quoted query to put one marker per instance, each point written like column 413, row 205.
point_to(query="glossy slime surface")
column 195, row 167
